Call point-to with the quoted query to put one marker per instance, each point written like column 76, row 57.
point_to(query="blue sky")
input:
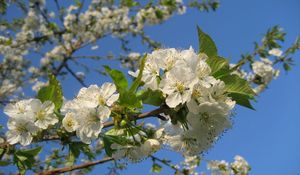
column 269, row 138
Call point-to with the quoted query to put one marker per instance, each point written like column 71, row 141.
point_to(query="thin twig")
column 75, row 76
column 75, row 167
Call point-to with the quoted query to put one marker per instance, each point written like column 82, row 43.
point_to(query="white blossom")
column 95, row 47
column 38, row 85
column 20, row 109
column 69, row 122
column 219, row 167
column 275, row 52
column 177, row 85
column 94, row 96
column 264, row 69
column 90, row 123
column 43, row 113
column 20, row 130
column 240, row 166
column 135, row 152
column 80, row 75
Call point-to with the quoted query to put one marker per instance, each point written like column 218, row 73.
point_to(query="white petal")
column 35, row 105
column 112, row 99
column 193, row 106
column 10, row 110
column 173, row 100
column 107, row 89
column 12, row 137
column 48, row 106
column 25, row 139
column 104, row 113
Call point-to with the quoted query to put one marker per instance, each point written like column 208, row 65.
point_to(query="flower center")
column 93, row 117
column 180, row 87
column 170, row 63
column 22, row 128
column 70, row 123
column 21, row 109
column 101, row 101
column 40, row 115
column 205, row 117
column 196, row 93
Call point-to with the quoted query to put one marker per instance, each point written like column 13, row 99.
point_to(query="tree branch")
column 153, row 113
column 75, row 167
column 74, row 75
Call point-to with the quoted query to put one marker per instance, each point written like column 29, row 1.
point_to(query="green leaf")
column 31, row 152
column 239, row 89
column 129, row 3
column 78, row 3
column 129, row 99
column 4, row 163
column 24, row 159
column 235, row 84
column 107, row 145
column 206, row 44
column 151, row 97
column 75, row 148
column 138, row 80
column 287, row 67
column 156, row 168
column 159, row 14
column 52, row 92
column 3, row 7
column 118, row 78
column 241, row 100
column 108, row 140
column 219, row 66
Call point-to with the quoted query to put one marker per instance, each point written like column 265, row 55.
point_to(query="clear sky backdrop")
column 269, row 138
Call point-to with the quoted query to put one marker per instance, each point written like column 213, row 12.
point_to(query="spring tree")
column 192, row 92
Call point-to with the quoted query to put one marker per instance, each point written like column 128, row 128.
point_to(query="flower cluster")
column 89, row 110
column 157, row 14
column 184, row 79
column 239, row 167
column 136, row 152
column 263, row 73
column 26, row 118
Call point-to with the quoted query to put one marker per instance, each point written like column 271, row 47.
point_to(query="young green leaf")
column 156, row 168
column 75, row 148
column 235, row 84
column 52, row 92
column 241, row 100
column 151, row 97
column 24, row 159
column 129, row 3
column 129, row 99
column 206, row 44
column 219, row 66
column 138, row 80
column 4, row 163
column 118, row 78
column 108, row 140
column 239, row 89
